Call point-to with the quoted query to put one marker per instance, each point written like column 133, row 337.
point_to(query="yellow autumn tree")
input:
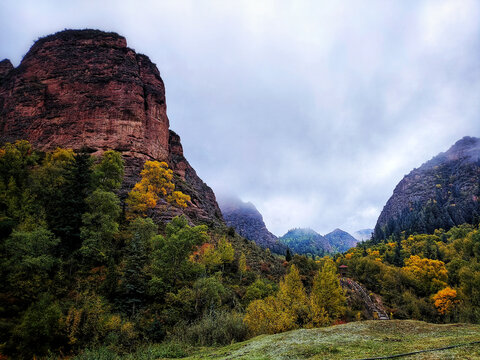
column 327, row 299
column 445, row 300
column 211, row 256
column 155, row 184
column 269, row 316
column 287, row 310
column 292, row 293
column 242, row 265
column 207, row 256
column 431, row 275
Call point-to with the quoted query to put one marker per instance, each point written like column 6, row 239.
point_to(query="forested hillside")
column 442, row 193
column 79, row 268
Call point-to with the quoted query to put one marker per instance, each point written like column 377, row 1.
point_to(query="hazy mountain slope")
column 248, row 222
column 306, row 241
column 363, row 234
column 341, row 240
column 441, row 193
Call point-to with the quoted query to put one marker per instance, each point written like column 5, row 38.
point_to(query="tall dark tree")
column 288, row 255
column 66, row 221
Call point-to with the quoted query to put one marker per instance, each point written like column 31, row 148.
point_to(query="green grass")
column 354, row 340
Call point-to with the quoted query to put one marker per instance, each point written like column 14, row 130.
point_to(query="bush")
column 39, row 330
column 169, row 350
column 102, row 353
column 214, row 328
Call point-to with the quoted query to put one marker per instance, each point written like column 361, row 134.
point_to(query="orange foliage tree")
column 445, row 300
column 156, row 184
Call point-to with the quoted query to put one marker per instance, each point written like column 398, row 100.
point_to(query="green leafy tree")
column 170, row 264
column 39, row 329
column 242, row 265
column 259, row 289
column 108, row 172
column 17, row 203
column 30, row 261
column 209, row 292
column 100, row 224
column 288, row 255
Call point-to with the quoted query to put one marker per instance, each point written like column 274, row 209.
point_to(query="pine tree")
column 288, row 255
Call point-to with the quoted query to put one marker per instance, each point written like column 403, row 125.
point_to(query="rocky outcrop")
column 203, row 206
column 5, row 67
column 248, row 222
column 371, row 302
column 340, row 240
column 87, row 89
column 441, row 193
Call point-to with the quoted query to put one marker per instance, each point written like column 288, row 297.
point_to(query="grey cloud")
column 311, row 110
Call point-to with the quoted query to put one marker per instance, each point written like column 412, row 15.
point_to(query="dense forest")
column 81, row 268
column 427, row 277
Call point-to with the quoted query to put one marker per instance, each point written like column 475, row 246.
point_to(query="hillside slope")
column 341, row 240
column 306, row 241
column 441, row 193
column 248, row 222
column 357, row 340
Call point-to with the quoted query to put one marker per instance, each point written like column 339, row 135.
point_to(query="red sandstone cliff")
column 86, row 88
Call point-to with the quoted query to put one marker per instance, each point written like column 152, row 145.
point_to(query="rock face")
column 87, row 89
column 341, row 240
column 306, row 241
column 248, row 222
column 441, row 193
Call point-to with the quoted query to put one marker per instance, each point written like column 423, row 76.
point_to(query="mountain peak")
column 341, row 240
column 306, row 241
column 441, row 193
column 248, row 222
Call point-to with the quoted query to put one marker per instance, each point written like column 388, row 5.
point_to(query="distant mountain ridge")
column 441, row 193
column 341, row 240
column 248, row 222
column 306, row 241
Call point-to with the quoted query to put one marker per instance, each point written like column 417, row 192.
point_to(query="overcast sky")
column 311, row 110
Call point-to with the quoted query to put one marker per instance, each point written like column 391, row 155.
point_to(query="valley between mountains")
column 111, row 245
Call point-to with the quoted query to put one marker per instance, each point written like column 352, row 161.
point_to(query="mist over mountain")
column 248, row 222
column 442, row 193
column 363, row 234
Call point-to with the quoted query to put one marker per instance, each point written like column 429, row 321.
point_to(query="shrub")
column 39, row 329
column 102, row 353
column 214, row 328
